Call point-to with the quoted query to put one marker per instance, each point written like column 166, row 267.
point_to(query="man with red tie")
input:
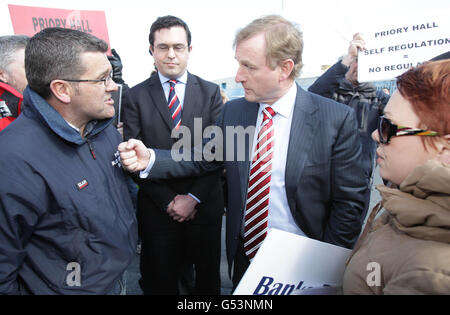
column 179, row 219
column 303, row 174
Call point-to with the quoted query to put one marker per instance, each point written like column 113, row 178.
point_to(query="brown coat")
column 407, row 249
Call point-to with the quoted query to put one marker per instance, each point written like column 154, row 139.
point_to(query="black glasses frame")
column 105, row 81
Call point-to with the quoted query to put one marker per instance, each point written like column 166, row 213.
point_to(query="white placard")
column 288, row 263
column 391, row 50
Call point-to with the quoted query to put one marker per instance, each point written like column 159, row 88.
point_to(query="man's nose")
column 171, row 52
column 239, row 77
column 111, row 86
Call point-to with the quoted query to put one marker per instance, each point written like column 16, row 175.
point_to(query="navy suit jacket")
column 325, row 182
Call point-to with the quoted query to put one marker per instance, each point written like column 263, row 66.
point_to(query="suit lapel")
column 190, row 104
column 247, row 117
column 156, row 94
column 304, row 124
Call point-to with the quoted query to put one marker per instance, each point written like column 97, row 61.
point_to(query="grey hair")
column 9, row 45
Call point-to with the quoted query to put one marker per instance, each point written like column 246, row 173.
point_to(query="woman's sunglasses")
column 387, row 130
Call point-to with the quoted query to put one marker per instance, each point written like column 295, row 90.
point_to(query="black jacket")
column 366, row 101
column 146, row 116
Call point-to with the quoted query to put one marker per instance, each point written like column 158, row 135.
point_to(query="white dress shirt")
column 180, row 87
column 280, row 216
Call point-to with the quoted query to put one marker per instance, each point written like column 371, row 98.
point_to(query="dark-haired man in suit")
column 179, row 219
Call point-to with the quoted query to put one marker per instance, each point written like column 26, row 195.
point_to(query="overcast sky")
column 327, row 26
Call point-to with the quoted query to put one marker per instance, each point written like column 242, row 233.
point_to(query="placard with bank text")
column 288, row 264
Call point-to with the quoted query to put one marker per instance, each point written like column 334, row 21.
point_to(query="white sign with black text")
column 391, row 50
column 288, row 263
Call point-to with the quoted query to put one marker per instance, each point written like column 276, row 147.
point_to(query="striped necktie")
column 174, row 105
column 257, row 206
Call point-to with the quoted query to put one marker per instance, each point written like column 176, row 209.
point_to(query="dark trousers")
column 240, row 264
column 167, row 245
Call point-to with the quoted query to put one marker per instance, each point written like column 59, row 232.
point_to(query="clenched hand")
column 134, row 155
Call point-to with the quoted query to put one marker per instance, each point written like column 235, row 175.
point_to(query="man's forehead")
column 248, row 53
column 96, row 62
column 171, row 34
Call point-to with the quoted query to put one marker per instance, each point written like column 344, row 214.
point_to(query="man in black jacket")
column 179, row 219
column 340, row 83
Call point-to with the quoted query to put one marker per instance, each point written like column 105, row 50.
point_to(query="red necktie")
column 174, row 104
column 257, row 207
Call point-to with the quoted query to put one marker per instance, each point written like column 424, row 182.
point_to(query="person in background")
column 179, row 220
column 224, row 95
column 67, row 222
column 302, row 172
column 12, row 77
column 406, row 250
column 340, row 83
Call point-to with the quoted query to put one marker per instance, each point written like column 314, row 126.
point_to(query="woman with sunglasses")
column 406, row 250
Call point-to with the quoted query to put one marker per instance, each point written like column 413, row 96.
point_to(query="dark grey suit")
column 324, row 179
column 146, row 116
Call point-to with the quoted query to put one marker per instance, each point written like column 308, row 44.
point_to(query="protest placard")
column 31, row 20
column 392, row 49
column 288, row 263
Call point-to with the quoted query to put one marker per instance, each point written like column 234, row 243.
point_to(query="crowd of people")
column 68, row 223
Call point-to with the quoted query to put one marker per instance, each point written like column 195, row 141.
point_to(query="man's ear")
column 3, row 76
column 150, row 50
column 62, row 90
column 287, row 66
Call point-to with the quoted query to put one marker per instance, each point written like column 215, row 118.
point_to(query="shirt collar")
column 87, row 129
column 285, row 105
column 73, row 126
column 34, row 104
column 181, row 79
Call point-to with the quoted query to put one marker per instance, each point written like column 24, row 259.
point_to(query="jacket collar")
column 35, row 105
column 421, row 207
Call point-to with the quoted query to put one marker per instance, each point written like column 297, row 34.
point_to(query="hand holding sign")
column 357, row 44
column 351, row 59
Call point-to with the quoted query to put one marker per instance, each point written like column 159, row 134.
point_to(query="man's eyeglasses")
column 179, row 48
column 105, row 81
column 387, row 130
